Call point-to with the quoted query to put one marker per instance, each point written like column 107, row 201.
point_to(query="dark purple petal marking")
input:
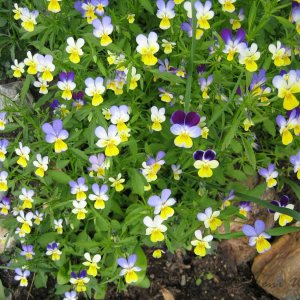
column 178, row 117
column 192, row 119
column 209, row 154
column 198, row 155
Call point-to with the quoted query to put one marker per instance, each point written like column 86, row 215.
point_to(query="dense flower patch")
column 149, row 118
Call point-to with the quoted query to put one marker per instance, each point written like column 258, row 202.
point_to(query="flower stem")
column 187, row 99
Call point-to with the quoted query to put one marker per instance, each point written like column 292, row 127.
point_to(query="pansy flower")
column 74, row 49
column 18, row 68
column 205, row 162
column 129, row 269
column 109, row 139
column 3, row 181
column 27, row 251
column 295, row 160
column 257, row 236
column 56, row 134
column 79, row 209
column 165, row 12
column 155, row 228
column 134, row 78
column 58, row 225
column 45, row 66
column 258, row 88
column 201, row 243
column 42, row 85
column 17, row 11
column 54, row 6
column 185, row 126
column 227, row 5
column 119, row 116
column 130, row 18
column 278, row 54
column 38, row 217
column 248, row 123
column 28, row 19
column 210, row 218
column 248, row 57
column 236, row 22
column 4, row 205
column 152, row 166
column 227, row 199
column 92, row 263
column 204, row 85
column 270, row 175
column 168, row 46
column 98, row 165
column 87, row 9
column 165, row 96
column 72, row 295
column 41, row 163
column 176, row 169
column 78, row 102
column 66, row 84
column 117, row 183
column 203, row 13
column 26, row 198
column 157, row 117
column 245, row 208
column 102, row 29
column 288, row 85
column 285, row 126
column 233, row 45
column 31, row 62
column 3, row 120
column 147, row 47
column 296, row 17
column 100, row 195
column 99, row 6
column 79, row 188
column 25, row 220
column 23, row 153
column 95, row 88
column 283, row 219
column 162, row 204
column 79, row 280
column 22, row 276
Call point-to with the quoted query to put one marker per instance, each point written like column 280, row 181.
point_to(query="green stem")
column 187, row 99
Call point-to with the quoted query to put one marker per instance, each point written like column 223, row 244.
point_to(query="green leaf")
column 25, row 87
column 286, row 23
column 270, row 127
column 63, row 275
column 252, row 15
column 79, row 154
column 137, row 181
column 40, row 280
column 167, row 76
column 250, row 153
column 147, row 5
column 232, row 131
column 294, row 186
column 282, row 230
column 2, row 294
column 59, row 176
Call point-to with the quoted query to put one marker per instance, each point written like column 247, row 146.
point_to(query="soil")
column 173, row 277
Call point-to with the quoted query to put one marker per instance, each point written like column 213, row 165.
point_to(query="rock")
column 237, row 251
column 6, row 242
column 278, row 270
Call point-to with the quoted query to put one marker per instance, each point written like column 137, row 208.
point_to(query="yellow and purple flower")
column 23, row 153
column 227, row 199
column 165, row 12
column 53, row 251
column 5, row 205
column 269, row 174
column 129, row 269
column 26, row 198
column 187, row 27
column 79, row 280
column 27, row 251
column 162, row 204
column 3, row 120
column 45, row 66
column 283, row 219
column 147, row 47
column 66, row 84
column 56, row 134
column 54, row 6
column 176, row 171
column 248, row 57
column 102, row 29
column 3, row 181
column 92, row 263
column 295, row 160
column 74, row 49
column 79, row 188
column 155, row 228
column 22, row 276
column 201, row 243
column 236, row 22
column 204, row 85
column 185, row 126
column 100, row 195
column 227, row 5
column 205, row 162
column 3, row 145
column 257, row 236
column 157, row 117
column 95, row 88
column 210, row 218
column 98, row 165
column 245, row 208
column 285, row 126
column 232, row 45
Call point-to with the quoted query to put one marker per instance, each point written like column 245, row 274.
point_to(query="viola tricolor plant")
column 139, row 125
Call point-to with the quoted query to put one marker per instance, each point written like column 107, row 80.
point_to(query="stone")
column 6, row 242
column 277, row 271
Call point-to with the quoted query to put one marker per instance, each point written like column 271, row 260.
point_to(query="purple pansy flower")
column 283, row 219
column 128, row 268
column 257, row 236
column 56, row 134
column 205, row 162
column 3, row 145
column 245, row 207
column 269, row 174
column 185, row 126
column 27, row 251
column 295, row 160
column 66, row 84
column 97, row 165
column 79, row 188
